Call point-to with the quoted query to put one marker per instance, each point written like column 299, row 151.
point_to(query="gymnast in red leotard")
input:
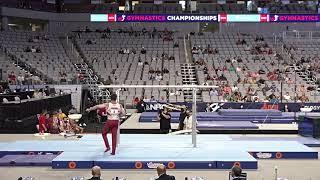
column 114, row 111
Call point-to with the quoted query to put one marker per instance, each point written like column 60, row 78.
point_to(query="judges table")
column 29, row 107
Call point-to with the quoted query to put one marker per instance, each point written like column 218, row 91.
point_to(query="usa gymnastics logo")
column 152, row 165
column 122, row 18
column 275, row 18
column 264, row 155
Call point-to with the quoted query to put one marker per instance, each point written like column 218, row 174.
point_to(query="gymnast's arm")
column 97, row 107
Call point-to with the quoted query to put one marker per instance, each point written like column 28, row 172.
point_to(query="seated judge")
column 161, row 170
column 236, row 173
column 96, row 173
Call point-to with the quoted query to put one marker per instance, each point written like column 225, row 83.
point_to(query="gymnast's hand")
column 88, row 110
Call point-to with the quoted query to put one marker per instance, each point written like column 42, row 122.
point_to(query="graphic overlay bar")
column 153, row 18
column 222, row 18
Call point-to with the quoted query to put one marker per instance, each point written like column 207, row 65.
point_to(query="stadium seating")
column 52, row 61
column 8, row 66
column 103, row 54
column 290, row 8
column 229, row 50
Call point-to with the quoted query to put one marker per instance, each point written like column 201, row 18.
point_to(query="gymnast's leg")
column 114, row 132
column 105, row 130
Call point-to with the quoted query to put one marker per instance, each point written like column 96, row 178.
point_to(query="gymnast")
column 114, row 111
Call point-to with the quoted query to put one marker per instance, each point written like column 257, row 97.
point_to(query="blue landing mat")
column 27, row 160
column 284, row 118
column 308, row 141
column 145, row 151
column 209, row 125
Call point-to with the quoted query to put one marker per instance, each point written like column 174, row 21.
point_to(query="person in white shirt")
column 188, row 121
column 33, row 49
column 234, row 88
column 20, row 79
column 5, row 100
column 213, row 92
column 158, row 77
column 287, row 97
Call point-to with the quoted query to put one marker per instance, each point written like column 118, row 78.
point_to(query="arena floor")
column 290, row 169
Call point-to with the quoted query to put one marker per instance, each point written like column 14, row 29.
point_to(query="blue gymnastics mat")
column 143, row 151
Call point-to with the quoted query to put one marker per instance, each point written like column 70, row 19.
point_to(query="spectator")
column 222, row 78
column 108, row 81
column 54, row 127
column 303, row 98
column 273, row 87
column 33, row 49
column 153, row 99
column 261, row 71
column 73, row 110
column 140, row 106
column 96, row 173
column 45, row 37
column 158, row 77
column 38, row 50
column 87, row 29
column 287, row 97
column 74, row 127
column 265, row 89
column 213, row 92
column 165, row 71
column 143, row 51
column 234, row 88
column 12, row 78
column 227, row 89
column 88, row 42
column 247, row 48
column 20, row 79
column 136, row 101
column 236, row 173
column 176, row 44
column 126, row 51
column 273, row 98
column 161, row 170
column 65, row 126
column 28, row 49
column 302, row 89
column 61, row 115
